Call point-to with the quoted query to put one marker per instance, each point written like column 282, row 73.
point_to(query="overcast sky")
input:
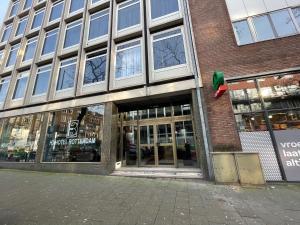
column 3, row 7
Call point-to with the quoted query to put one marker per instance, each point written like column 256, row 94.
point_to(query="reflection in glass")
column 160, row 8
column 147, row 145
column 19, row 138
column 251, row 122
column 263, row 28
column 165, row 144
column 242, row 32
column 130, row 145
column 283, row 23
column 75, row 135
column 95, row 68
column 289, row 120
column 128, row 14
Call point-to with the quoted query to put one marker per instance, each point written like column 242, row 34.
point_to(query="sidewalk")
column 33, row 198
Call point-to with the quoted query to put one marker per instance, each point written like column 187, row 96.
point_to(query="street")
column 39, row 198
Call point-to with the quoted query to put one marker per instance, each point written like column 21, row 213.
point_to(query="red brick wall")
column 217, row 50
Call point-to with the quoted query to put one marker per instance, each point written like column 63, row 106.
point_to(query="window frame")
column 59, row 67
column 62, row 11
column 35, row 79
column 89, row 25
column 142, row 59
column 182, row 33
column 102, row 52
column 71, row 24
column 45, row 37
column 165, row 16
column 18, row 9
column 76, row 11
column 17, row 46
column 35, row 14
column 128, row 29
column 17, row 27
column 21, row 76
column 2, row 81
column 31, row 40
column 25, row 1
column 6, row 27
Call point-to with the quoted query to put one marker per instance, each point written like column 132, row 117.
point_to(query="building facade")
column 88, row 85
column 255, row 43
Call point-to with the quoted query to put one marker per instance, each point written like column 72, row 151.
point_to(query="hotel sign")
column 288, row 143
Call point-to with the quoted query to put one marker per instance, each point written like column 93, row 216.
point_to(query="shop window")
column 98, row 24
column 263, row 28
column 283, row 23
column 6, row 33
column 42, row 80
column 50, row 42
column 78, row 138
column 242, row 32
column 244, row 96
column 66, row 75
column 27, row 4
column 181, row 110
column 38, row 19
column 161, row 8
column 95, row 68
column 129, row 14
column 14, row 8
column 168, row 49
column 19, row 138
column 21, row 26
column 30, row 49
column 289, row 120
column 128, row 59
column 73, row 34
column 56, row 11
column 21, row 86
column 12, row 58
column 296, row 12
column 280, row 91
column 76, row 5
column 4, row 84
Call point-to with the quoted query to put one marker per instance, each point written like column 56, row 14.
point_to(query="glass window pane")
column 50, row 42
column 129, row 14
column 296, row 12
column 27, row 4
column 30, row 49
column 169, row 52
column 263, row 28
column 129, row 62
column 283, row 23
column 14, row 9
column 242, row 32
column 38, row 19
column 281, row 91
column 98, row 25
column 161, row 8
column 95, row 69
column 4, row 84
column 73, row 34
column 21, row 27
column 56, row 11
column 20, row 88
column 6, row 33
column 66, row 75
column 12, row 58
column 42, row 81
column 75, row 135
column 76, row 5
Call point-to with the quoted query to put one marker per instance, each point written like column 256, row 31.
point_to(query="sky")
column 3, row 8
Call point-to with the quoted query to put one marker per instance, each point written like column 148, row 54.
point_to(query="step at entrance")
column 176, row 173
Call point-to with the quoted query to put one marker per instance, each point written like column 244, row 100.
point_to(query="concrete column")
column 110, row 129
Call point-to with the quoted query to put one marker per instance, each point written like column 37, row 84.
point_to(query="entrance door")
column 164, row 145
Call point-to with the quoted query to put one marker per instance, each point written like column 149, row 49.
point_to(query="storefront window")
column 244, row 96
column 281, row 91
column 289, row 120
column 19, row 138
column 75, row 135
column 250, row 123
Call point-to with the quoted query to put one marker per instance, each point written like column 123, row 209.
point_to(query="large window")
column 38, row 19
column 56, row 11
column 160, row 8
column 98, row 24
column 21, row 26
column 21, row 85
column 14, row 8
column 242, row 32
column 128, row 59
column 6, row 33
column 76, row 5
column 4, row 84
column 12, row 58
column 50, row 42
column 75, row 135
column 30, row 49
column 27, row 4
column 129, row 14
column 66, row 75
column 168, row 49
column 73, row 34
column 263, row 28
column 283, row 23
column 95, row 68
column 42, row 80
column 19, row 138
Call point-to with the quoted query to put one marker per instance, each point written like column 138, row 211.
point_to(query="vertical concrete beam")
column 110, row 129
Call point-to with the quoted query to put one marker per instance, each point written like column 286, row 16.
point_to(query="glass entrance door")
column 164, row 145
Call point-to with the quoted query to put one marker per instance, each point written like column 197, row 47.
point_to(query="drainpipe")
column 198, row 80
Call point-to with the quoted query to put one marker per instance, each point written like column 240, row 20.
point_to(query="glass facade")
column 19, row 138
column 75, row 135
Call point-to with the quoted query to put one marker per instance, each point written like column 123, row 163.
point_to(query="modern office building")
column 91, row 85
